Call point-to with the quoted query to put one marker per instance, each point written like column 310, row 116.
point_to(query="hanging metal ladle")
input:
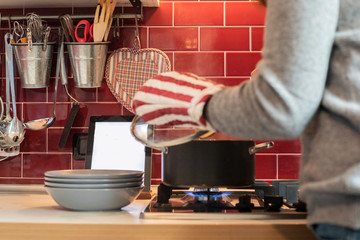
column 42, row 123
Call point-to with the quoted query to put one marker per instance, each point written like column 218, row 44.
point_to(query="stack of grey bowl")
column 94, row 190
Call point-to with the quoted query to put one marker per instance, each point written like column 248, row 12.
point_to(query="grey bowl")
column 93, row 185
column 94, row 199
column 93, row 181
column 94, row 174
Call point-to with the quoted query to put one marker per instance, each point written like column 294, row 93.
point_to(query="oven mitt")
column 175, row 99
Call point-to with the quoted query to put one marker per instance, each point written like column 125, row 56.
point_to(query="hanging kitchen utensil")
column 29, row 39
column 3, row 154
column 101, row 21
column 35, row 25
column 116, row 32
column 38, row 28
column 19, row 33
column 42, row 123
column 6, row 151
column 12, row 129
column 75, row 108
column 128, row 68
column 111, row 4
column 46, row 37
column 2, row 108
column 86, row 31
column 68, row 26
column 72, row 115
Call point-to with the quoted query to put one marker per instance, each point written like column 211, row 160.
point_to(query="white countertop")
column 31, row 203
column 29, row 207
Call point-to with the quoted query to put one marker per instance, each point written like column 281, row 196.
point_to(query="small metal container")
column 87, row 62
column 34, row 64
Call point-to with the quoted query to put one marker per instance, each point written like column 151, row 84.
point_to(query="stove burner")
column 206, row 195
column 206, row 200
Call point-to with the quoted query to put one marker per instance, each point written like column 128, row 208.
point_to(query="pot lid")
column 161, row 138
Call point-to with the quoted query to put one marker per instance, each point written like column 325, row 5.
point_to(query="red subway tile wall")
column 221, row 40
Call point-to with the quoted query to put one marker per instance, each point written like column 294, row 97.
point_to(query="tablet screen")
column 111, row 145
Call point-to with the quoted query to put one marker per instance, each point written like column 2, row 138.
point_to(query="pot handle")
column 261, row 146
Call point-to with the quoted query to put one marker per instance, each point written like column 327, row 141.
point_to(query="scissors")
column 88, row 30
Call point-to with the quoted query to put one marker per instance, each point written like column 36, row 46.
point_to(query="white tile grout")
column 22, row 165
column 250, row 39
column 277, row 166
column 173, row 14
column 224, row 14
column 199, row 39
column 225, row 69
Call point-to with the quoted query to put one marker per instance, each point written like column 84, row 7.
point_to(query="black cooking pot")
column 206, row 164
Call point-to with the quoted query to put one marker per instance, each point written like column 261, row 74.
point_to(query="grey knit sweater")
column 308, row 85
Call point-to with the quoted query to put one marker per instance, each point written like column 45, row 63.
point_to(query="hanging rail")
column 76, row 16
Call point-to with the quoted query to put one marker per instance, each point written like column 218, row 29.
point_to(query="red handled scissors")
column 88, row 30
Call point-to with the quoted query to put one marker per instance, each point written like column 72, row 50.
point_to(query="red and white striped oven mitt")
column 175, row 99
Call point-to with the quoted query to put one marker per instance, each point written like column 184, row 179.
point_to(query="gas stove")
column 260, row 201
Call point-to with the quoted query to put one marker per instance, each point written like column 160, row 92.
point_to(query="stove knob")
column 164, row 193
column 300, row 206
column 245, row 204
column 273, row 203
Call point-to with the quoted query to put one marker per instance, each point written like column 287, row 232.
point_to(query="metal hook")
column 137, row 27
column 70, row 96
column 9, row 22
column 137, row 44
column 117, row 28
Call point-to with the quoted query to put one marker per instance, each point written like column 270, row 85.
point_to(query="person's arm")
column 283, row 96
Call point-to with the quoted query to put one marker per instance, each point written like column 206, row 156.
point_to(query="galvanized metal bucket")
column 87, row 62
column 34, row 64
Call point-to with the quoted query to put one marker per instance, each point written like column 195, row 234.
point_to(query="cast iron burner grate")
column 259, row 199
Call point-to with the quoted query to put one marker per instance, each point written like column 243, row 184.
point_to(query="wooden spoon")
column 101, row 22
column 112, row 4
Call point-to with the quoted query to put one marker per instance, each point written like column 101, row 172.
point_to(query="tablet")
column 110, row 145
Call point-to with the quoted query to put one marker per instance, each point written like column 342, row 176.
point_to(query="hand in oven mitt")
column 175, row 99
